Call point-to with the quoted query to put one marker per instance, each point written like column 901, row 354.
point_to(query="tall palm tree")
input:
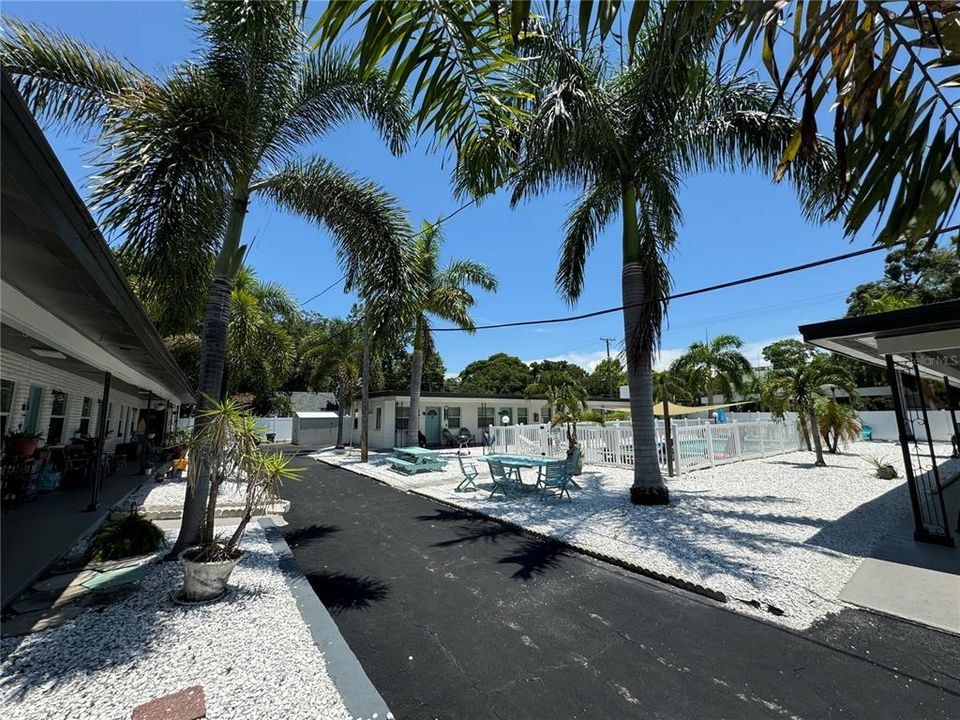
column 799, row 387
column 715, row 367
column 625, row 136
column 183, row 155
column 445, row 294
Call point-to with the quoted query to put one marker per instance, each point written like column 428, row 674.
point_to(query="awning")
column 675, row 409
column 929, row 332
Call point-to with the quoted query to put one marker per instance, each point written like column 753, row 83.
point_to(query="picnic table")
column 411, row 460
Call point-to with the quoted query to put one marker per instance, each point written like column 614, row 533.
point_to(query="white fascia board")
column 23, row 314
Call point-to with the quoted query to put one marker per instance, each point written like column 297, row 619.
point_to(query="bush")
column 134, row 535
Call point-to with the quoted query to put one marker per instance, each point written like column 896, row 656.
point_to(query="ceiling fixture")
column 48, row 353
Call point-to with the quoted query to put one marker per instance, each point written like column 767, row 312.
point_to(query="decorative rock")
column 188, row 704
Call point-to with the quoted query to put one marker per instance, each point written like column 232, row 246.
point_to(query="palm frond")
column 591, row 214
column 461, row 273
column 64, row 80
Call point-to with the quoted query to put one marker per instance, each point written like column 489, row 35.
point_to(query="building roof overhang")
column 929, row 333
column 57, row 265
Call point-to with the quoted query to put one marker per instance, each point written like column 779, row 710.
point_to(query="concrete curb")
column 710, row 593
column 175, row 512
column 359, row 694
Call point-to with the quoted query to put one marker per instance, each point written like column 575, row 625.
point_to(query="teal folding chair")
column 470, row 473
column 572, row 463
column 555, row 480
column 502, row 480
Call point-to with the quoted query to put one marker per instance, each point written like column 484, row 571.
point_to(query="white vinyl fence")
column 281, row 426
column 694, row 445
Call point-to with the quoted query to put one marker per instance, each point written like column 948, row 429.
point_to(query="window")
column 485, row 417
column 403, row 417
column 6, row 402
column 85, row 408
column 521, row 416
column 547, row 413
column 379, row 420
column 58, row 411
column 453, row 418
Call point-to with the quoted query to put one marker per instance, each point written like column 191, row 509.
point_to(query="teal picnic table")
column 515, row 463
column 411, row 460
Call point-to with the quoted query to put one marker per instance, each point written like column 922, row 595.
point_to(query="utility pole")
column 608, row 340
column 365, row 393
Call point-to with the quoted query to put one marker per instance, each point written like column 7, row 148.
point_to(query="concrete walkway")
column 916, row 581
column 455, row 616
column 37, row 532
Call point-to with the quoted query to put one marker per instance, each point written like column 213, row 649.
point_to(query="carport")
column 920, row 348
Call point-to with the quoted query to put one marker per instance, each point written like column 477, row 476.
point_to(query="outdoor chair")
column 867, row 432
column 448, row 439
column 470, row 473
column 572, row 463
column 502, row 480
column 555, row 480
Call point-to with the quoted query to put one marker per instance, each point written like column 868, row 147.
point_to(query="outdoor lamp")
column 505, row 419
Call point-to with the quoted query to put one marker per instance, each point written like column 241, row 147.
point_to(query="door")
column 431, row 425
column 34, row 397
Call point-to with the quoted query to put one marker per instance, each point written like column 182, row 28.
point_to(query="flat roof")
column 931, row 333
column 55, row 258
column 471, row 396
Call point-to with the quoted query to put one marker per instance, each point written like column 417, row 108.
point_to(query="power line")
column 412, row 237
column 677, row 296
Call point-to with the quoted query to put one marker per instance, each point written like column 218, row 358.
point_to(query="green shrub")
column 133, row 535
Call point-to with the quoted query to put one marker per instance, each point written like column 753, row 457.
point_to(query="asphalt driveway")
column 454, row 616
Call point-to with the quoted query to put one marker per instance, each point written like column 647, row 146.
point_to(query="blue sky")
column 735, row 225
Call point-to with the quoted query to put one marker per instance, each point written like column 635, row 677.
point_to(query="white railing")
column 694, row 446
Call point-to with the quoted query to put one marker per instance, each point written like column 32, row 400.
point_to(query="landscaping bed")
column 777, row 536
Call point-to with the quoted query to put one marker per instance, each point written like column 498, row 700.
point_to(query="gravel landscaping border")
column 252, row 652
column 775, row 537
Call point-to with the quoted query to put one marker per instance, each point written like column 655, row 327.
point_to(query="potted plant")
column 22, row 444
column 571, row 405
column 225, row 445
column 884, row 470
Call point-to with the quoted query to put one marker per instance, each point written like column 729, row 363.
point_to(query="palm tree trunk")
column 815, row 432
column 213, row 353
column 648, row 486
column 416, row 379
column 365, row 396
column 339, row 444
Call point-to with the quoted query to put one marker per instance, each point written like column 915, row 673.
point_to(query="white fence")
column 281, row 426
column 694, row 446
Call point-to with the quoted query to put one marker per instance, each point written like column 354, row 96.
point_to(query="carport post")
column 953, row 417
column 101, row 434
column 894, row 381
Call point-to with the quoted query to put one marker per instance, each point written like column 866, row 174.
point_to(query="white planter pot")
column 205, row 580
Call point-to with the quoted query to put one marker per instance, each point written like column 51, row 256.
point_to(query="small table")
column 516, row 462
column 411, row 460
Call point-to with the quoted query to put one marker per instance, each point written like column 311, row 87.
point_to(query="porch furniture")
column 502, row 481
column 470, row 472
column 556, row 480
column 448, row 439
column 867, row 432
column 512, row 464
column 411, row 460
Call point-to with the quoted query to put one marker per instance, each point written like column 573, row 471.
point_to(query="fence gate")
column 919, row 455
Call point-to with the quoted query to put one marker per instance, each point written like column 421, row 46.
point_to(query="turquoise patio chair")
column 867, row 432
column 555, row 480
column 470, row 473
column 502, row 480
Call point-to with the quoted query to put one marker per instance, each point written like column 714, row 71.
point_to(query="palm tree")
column 836, row 422
column 444, row 294
column 715, row 367
column 626, row 136
column 183, row 156
column 798, row 388
column 570, row 401
column 329, row 357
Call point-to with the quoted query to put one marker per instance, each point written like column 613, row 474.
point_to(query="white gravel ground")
column 170, row 493
column 252, row 653
column 777, row 531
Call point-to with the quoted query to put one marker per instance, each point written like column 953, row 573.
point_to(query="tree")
column 715, row 367
column 397, row 364
column 184, row 155
column 836, row 422
column 570, row 401
column 330, row 357
column 445, row 293
column 606, row 378
column 798, row 387
column 562, row 366
column 911, row 276
column 499, row 374
column 626, row 136
column 785, row 354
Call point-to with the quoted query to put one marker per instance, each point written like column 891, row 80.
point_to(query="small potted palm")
column 571, row 405
column 226, row 447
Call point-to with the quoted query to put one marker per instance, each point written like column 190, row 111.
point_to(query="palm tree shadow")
column 339, row 591
column 535, row 557
column 303, row 535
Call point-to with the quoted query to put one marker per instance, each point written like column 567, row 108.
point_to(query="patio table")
column 411, row 460
column 517, row 462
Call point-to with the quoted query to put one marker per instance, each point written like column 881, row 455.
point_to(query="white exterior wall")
column 24, row 372
column 884, row 424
